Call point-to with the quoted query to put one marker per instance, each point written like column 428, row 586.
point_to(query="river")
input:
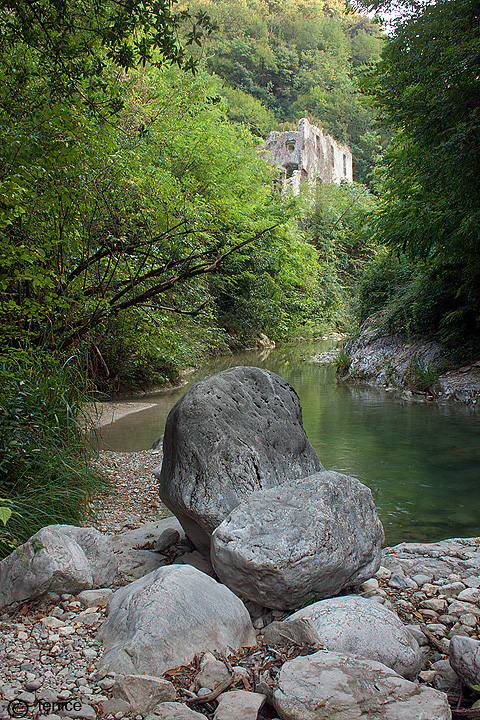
column 420, row 459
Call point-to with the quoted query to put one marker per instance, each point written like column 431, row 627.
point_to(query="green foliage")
column 337, row 226
column 132, row 210
column 272, row 288
column 299, row 60
column 383, row 285
column 426, row 86
column 422, row 379
column 73, row 45
column 342, row 363
column 45, row 476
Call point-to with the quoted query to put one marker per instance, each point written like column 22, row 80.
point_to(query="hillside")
column 281, row 61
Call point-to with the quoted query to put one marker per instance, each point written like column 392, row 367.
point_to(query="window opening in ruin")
column 290, row 168
column 290, row 147
column 331, row 153
column 345, row 165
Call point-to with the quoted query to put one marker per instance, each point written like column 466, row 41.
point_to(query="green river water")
column 420, row 459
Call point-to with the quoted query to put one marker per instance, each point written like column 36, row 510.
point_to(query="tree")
column 427, row 87
column 132, row 210
column 299, row 59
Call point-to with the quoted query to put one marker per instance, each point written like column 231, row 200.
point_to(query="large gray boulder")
column 303, row 540
column 163, row 619
column 464, row 656
column 58, row 558
column 230, row 434
column 360, row 626
column 328, row 685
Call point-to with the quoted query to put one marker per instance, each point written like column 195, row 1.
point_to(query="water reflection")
column 421, row 460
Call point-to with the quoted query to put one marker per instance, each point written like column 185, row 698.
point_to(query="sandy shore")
column 104, row 413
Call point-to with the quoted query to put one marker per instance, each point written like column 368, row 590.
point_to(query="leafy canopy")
column 427, row 87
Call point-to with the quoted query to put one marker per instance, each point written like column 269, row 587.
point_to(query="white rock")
column 469, row 619
column 369, row 585
column 143, row 692
column 95, row 598
column 239, row 705
column 357, row 625
column 436, row 604
column 427, row 676
column 464, row 656
column 229, row 435
column 472, row 581
column 451, row 589
column 421, row 579
column 328, row 685
column 58, row 558
column 299, row 541
column 212, row 673
column 163, row 619
column 469, row 595
column 383, row 573
column 174, row 711
column 457, row 608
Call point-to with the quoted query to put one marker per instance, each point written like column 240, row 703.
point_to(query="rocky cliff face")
column 416, row 367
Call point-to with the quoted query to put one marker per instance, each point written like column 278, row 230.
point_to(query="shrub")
column 45, row 474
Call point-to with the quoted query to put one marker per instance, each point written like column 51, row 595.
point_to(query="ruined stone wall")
column 307, row 155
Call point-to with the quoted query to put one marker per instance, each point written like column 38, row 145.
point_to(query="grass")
column 342, row 363
column 45, row 474
column 422, row 379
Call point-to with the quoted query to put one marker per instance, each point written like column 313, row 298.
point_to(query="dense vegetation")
column 140, row 228
column 282, row 61
column 427, row 88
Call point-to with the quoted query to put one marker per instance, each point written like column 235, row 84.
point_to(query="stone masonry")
column 308, row 155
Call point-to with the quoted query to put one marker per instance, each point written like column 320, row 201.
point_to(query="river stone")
column 58, row 559
column 464, row 656
column 174, row 711
column 301, row 540
column 163, row 619
column 229, row 435
column 360, row 626
column 143, row 692
column 239, row 705
column 328, row 685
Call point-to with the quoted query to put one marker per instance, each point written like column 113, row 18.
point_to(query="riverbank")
column 417, row 368
column 52, row 650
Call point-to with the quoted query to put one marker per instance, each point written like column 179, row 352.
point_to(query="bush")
column 383, row 285
column 45, row 475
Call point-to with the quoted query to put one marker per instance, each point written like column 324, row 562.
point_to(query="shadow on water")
column 421, row 460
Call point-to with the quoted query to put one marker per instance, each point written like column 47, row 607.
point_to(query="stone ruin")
column 307, row 155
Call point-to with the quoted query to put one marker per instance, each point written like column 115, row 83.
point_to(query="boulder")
column 360, row 626
column 59, row 559
column 328, row 685
column 299, row 541
column 229, row 435
column 163, row 619
column 464, row 656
